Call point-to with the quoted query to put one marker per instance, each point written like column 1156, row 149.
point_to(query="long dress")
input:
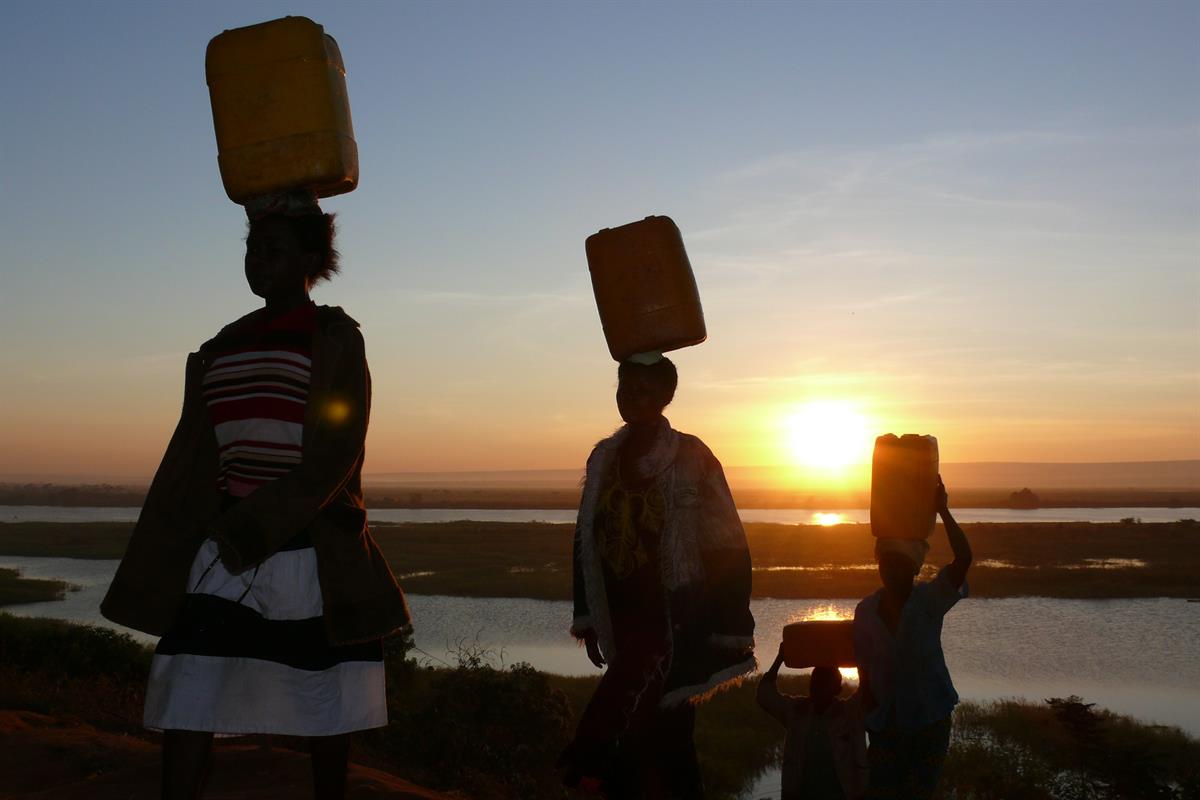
column 625, row 739
column 249, row 652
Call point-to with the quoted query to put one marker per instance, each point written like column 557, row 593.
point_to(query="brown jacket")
column 323, row 493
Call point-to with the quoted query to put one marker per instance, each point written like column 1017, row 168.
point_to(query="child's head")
column 825, row 683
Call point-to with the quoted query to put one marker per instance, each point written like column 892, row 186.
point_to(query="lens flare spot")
column 337, row 411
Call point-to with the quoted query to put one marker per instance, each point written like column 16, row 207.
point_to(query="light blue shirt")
column 907, row 672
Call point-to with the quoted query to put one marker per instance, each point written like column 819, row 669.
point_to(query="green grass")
column 498, row 559
column 15, row 590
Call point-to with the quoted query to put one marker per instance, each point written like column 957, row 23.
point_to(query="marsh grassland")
column 15, row 589
column 498, row 559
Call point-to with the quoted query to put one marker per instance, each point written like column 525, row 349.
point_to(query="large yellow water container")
column 644, row 286
column 280, row 110
column 904, row 479
column 819, row 643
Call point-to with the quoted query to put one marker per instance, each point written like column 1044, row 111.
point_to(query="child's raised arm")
column 957, row 570
column 769, row 697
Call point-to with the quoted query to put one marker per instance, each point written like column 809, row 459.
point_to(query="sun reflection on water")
column 828, row 611
column 826, row 519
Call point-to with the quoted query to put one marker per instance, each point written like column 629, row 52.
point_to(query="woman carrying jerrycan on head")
column 661, row 565
column 909, row 697
column 251, row 557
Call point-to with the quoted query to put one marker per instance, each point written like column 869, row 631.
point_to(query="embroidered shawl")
column 705, row 565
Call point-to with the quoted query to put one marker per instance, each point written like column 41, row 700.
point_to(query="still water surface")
column 1139, row 657
column 787, row 516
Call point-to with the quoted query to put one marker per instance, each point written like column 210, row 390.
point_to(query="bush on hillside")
column 60, row 649
column 488, row 730
column 1066, row 750
column 51, row 666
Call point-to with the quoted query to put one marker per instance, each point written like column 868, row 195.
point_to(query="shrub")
column 61, row 649
column 489, row 730
column 1066, row 750
column 51, row 666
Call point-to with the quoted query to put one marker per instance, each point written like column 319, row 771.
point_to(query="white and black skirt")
column 249, row 654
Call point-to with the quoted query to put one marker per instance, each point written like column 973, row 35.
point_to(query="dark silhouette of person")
column 251, row 557
column 661, row 595
column 898, row 645
column 825, row 753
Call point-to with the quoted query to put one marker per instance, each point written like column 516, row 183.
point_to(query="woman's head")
column 899, row 562
column 286, row 255
column 644, row 390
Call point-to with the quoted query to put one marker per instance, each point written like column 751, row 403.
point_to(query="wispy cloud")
column 819, row 198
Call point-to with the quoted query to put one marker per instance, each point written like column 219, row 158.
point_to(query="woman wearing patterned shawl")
column 662, row 596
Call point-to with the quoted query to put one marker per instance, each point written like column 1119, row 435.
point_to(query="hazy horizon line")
column 91, row 477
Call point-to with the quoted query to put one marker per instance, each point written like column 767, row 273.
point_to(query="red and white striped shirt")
column 256, row 389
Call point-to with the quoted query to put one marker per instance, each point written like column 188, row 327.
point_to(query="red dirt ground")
column 49, row 757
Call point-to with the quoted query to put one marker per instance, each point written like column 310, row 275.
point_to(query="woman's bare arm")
column 957, row 570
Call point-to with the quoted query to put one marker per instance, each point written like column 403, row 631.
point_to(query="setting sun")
column 828, row 435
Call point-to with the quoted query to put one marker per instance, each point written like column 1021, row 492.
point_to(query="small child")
column 824, row 756
column 908, row 694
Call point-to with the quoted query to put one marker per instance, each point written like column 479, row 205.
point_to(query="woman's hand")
column 593, row 648
column 943, row 498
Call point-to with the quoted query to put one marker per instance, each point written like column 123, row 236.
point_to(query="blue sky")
column 979, row 220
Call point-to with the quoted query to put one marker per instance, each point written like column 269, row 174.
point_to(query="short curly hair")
column 314, row 233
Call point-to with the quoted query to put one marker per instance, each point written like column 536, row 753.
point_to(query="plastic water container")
column 280, row 110
column 904, row 476
column 644, row 286
column 819, row 643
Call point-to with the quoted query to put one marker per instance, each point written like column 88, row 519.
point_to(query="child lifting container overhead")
column 661, row 567
column 908, row 694
column 251, row 557
column 825, row 754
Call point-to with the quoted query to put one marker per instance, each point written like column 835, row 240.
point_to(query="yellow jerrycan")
column 904, row 475
column 645, row 290
column 819, row 643
column 280, row 110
